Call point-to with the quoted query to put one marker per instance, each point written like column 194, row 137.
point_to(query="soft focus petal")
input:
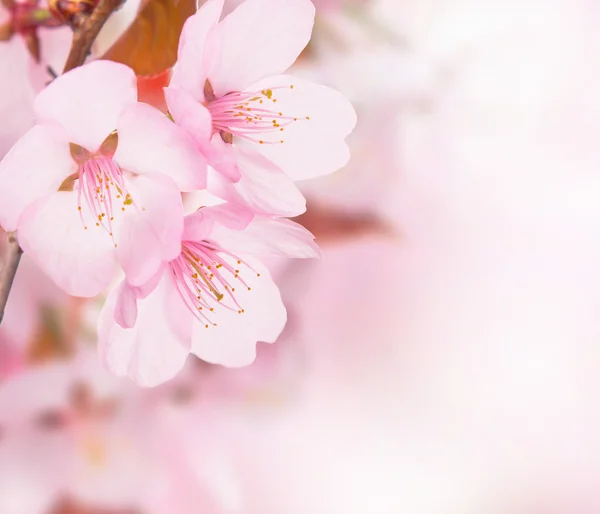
column 151, row 352
column 189, row 71
column 55, row 44
column 266, row 236
column 150, row 143
column 31, row 289
column 16, row 93
column 263, row 187
column 87, row 101
column 126, row 305
column 150, row 233
column 82, row 262
column 233, row 341
column 21, row 398
column 34, row 167
column 314, row 144
column 259, row 38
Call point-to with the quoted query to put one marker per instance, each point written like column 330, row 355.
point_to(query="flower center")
column 249, row 115
column 101, row 187
column 205, row 275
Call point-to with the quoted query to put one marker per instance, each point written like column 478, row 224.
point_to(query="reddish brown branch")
column 87, row 31
column 10, row 264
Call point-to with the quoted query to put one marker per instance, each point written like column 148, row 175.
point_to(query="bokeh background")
column 444, row 355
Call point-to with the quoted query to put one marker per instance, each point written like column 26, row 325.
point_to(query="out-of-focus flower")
column 75, row 436
column 256, row 125
column 83, row 196
column 24, row 19
column 211, row 299
column 24, row 74
column 29, row 328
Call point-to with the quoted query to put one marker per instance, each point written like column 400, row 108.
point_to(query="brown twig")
column 87, row 31
column 12, row 257
column 84, row 34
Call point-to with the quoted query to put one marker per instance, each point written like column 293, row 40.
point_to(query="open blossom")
column 76, row 439
column 257, row 126
column 213, row 299
column 97, row 181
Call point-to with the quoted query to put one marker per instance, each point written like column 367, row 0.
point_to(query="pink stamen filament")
column 204, row 279
column 242, row 115
column 99, row 179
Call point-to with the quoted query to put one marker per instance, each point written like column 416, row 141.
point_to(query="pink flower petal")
column 150, row 233
column 144, row 290
column 150, row 352
column 267, row 236
column 196, row 120
column 82, row 262
column 190, row 114
column 259, row 38
column 301, row 162
column 263, row 187
column 150, row 143
column 87, row 101
column 230, row 215
column 55, row 44
column 233, row 341
column 314, row 144
column 34, row 167
column 178, row 316
column 197, row 226
column 31, row 289
column 222, row 157
column 188, row 72
column 126, row 310
column 16, row 93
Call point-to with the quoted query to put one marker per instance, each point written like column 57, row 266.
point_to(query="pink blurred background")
column 442, row 358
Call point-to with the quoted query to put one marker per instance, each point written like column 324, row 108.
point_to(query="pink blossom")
column 213, row 299
column 256, row 125
column 83, row 196
column 32, row 295
column 74, row 434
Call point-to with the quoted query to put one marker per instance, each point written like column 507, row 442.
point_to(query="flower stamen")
column 243, row 114
column 99, row 180
column 204, row 275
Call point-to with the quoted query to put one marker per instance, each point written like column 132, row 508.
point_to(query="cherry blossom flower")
column 33, row 300
column 257, row 126
column 74, row 435
column 213, row 299
column 97, row 181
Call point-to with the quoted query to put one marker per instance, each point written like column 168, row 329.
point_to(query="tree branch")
column 12, row 257
column 87, row 31
column 84, row 34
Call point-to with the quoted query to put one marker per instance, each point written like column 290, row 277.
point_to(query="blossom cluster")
column 94, row 190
